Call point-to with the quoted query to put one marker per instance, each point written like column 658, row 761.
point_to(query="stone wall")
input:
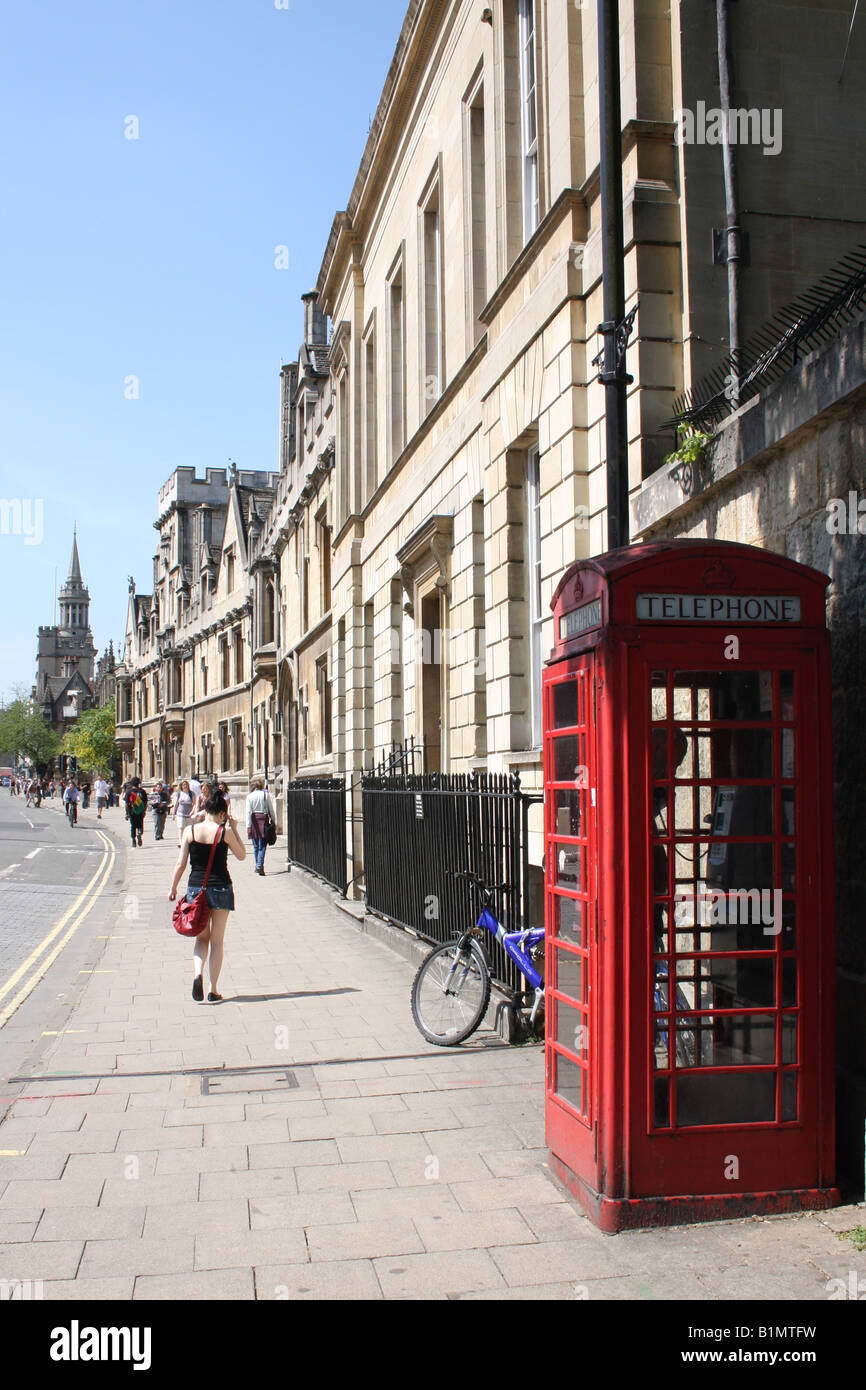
column 770, row 480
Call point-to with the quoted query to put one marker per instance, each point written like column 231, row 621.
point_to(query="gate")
column 316, row 828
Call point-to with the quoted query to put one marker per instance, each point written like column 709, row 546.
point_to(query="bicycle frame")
column 517, row 945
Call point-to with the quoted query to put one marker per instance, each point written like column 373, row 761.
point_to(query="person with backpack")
column 135, row 802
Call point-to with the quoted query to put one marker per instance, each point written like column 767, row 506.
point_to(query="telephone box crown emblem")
column 719, row 576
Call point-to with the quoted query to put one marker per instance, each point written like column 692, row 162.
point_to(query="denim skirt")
column 220, row 898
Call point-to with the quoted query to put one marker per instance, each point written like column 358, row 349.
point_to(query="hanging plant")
column 693, row 445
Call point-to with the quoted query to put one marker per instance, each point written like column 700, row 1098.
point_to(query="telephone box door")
column 726, row 969
column 570, row 911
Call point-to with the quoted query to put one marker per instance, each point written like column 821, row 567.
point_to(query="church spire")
column 74, row 578
column 74, row 597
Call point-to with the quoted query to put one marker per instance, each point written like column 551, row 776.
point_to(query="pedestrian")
column 199, row 814
column 159, row 805
column 195, row 849
column 85, row 795
column 182, row 808
column 136, row 805
column 195, row 788
column 100, row 791
column 260, row 811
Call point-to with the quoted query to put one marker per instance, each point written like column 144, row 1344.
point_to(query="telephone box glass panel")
column 725, row 976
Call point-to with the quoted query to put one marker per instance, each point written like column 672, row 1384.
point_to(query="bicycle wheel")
column 450, row 994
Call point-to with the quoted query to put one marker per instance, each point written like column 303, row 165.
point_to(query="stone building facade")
column 463, row 288
column 183, row 687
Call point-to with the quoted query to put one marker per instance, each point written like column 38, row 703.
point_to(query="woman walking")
column 260, row 809
column 182, row 808
column 199, row 814
column 196, row 847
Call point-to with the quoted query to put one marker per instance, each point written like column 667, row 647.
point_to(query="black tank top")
column 199, row 854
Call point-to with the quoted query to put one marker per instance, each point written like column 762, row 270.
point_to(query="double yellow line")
column 37, row 963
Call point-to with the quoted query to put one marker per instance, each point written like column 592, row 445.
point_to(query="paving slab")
column 304, row 1209
column 326, row 1281
column 57, row 1259
column 247, row 1249
column 443, row 1275
column 209, row 1286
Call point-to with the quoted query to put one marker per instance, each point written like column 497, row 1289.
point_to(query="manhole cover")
column 223, row 1083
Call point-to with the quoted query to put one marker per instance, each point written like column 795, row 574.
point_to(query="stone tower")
column 66, row 653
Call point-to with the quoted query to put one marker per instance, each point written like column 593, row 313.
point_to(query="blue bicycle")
column 451, row 990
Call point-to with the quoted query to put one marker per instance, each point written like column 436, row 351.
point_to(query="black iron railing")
column 316, row 828
column 421, row 831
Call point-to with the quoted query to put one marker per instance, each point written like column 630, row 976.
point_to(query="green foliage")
column 91, row 742
column 24, row 734
column 693, row 445
column 857, row 1237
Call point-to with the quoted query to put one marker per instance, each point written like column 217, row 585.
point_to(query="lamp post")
column 615, row 330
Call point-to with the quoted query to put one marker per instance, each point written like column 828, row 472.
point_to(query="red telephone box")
column 688, row 885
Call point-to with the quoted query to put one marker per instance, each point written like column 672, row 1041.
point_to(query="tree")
column 91, row 742
column 24, row 734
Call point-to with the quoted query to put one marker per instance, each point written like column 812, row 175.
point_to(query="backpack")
column 136, row 803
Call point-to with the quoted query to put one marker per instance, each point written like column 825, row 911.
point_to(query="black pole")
column 613, row 272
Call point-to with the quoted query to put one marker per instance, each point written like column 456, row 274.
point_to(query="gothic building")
column 65, row 655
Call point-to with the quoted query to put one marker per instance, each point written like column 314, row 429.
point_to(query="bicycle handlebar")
column 478, row 882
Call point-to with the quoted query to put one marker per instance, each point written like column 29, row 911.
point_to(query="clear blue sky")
column 155, row 258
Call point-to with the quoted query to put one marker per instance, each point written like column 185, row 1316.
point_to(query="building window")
column 303, row 732
column 528, row 115
column 223, row 734
column 225, row 663
column 432, row 353
column 323, row 689
column 371, row 426
column 396, row 362
column 239, row 656
column 323, row 542
column 305, row 583
column 476, row 210
column 238, row 745
column 268, row 612
column 230, row 572
column 536, row 616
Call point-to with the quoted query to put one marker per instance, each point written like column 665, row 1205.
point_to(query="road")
column 56, row 886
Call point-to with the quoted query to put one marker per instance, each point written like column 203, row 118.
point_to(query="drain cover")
column 225, row 1083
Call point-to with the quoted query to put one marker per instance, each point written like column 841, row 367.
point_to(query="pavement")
column 302, row 1141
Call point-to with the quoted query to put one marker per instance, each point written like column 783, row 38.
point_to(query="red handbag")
column 190, row 919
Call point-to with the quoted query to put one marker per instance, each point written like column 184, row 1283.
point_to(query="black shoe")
column 214, row 999
column 198, row 989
